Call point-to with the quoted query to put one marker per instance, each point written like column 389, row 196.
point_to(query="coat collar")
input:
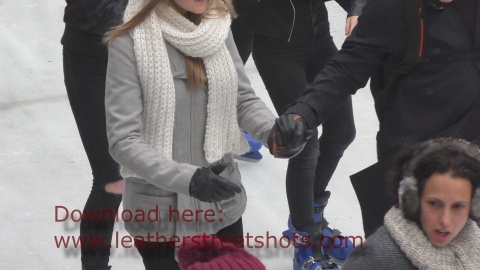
column 444, row 29
column 449, row 28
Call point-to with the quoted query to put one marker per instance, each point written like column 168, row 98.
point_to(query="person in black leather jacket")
column 439, row 98
column 290, row 43
column 84, row 66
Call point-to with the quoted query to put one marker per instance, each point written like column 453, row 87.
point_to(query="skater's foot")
column 253, row 155
column 309, row 254
column 336, row 245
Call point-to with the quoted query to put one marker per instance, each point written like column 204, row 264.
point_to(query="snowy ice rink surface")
column 43, row 163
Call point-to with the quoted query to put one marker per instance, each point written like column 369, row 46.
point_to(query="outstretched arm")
column 379, row 35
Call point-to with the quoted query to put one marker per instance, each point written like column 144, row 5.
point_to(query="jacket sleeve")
column 379, row 36
column 254, row 116
column 356, row 7
column 123, row 105
column 104, row 14
column 352, row 7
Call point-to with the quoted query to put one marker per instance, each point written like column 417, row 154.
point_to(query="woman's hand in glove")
column 288, row 136
column 208, row 186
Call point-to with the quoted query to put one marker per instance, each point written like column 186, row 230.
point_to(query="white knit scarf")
column 206, row 40
column 462, row 253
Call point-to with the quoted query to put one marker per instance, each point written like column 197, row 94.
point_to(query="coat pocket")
column 145, row 215
column 234, row 207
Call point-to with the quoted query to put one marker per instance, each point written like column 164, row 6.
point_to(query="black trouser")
column 286, row 67
column 85, row 84
column 161, row 255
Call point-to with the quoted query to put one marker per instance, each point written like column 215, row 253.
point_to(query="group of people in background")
column 163, row 106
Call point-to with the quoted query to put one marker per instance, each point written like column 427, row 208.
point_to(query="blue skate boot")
column 309, row 254
column 254, row 154
column 337, row 246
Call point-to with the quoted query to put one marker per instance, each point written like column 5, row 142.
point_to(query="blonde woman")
column 177, row 100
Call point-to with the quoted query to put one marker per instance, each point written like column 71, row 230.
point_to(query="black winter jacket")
column 86, row 22
column 277, row 18
column 435, row 100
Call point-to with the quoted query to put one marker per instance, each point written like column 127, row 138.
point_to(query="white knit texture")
column 207, row 40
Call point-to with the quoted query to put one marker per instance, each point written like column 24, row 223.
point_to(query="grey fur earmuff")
column 475, row 207
column 408, row 198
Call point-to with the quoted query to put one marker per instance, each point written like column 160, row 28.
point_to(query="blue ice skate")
column 254, row 154
column 336, row 245
column 307, row 254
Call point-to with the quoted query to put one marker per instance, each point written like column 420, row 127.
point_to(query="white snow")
column 44, row 164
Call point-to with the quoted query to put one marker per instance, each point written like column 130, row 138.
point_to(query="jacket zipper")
column 293, row 22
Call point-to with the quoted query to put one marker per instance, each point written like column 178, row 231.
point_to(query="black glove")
column 288, row 136
column 208, row 186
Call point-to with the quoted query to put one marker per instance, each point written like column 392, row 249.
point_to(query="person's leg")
column 281, row 65
column 337, row 134
column 339, row 130
column 85, row 83
column 157, row 255
column 282, row 68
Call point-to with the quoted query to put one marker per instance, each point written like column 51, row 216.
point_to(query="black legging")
column 85, row 83
column 286, row 67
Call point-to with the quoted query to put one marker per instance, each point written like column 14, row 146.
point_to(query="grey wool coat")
column 157, row 201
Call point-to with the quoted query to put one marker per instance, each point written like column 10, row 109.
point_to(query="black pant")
column 161, row 255
column 85, row 83
column 286, row 67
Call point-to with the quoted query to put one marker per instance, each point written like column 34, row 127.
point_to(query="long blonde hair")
column 196, row 75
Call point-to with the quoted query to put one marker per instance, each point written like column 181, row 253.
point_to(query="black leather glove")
column 288, row 136
column 207, row 186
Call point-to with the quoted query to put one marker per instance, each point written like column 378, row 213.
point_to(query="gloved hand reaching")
column 208, row 186
column 288, row 136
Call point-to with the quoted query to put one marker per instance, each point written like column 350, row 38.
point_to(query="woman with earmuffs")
column 432, row 225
